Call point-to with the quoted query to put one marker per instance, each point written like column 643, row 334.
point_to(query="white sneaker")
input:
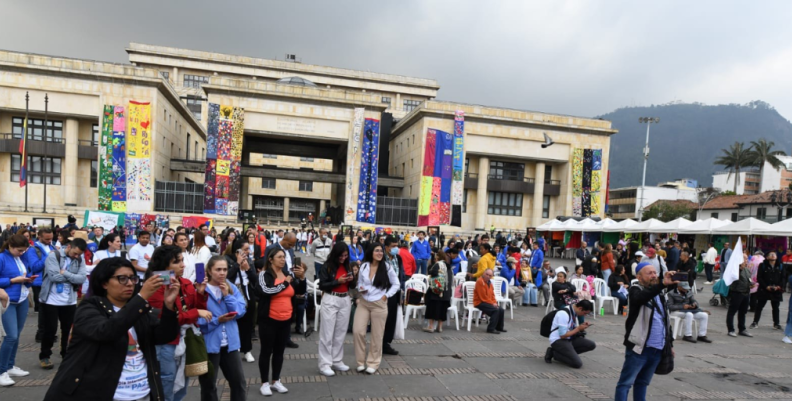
column 6, row 380
column 787, row 340
column 265, row 390
column 17, row 372
column 371, row 371
column 280, row 387
column 340, row 367
column 327, row 372
column 708, row 282
column 360, row 368
column 249, row 357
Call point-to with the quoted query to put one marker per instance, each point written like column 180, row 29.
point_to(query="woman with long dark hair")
column 616, row 282
column 335, row 281
column 243, row 277
column 112, row 352
column 228, row 241
column 376, row 283
column 274, row 314
column 437, row 303
column 356, row 251
column 15, row 279
column 487, row 261
column 562, row 291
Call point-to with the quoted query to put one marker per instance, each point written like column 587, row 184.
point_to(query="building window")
column 36, row 129
column 410, row 105
column 505, row 204
column 506, row 171
column 386, row 100
column 95, row 135
column 734, row 217
column 306, row 159
column 467, row 164
column 464, row 201
column 548, row 174
column 203, row 153
column 269, row 156
column 187, row 154
column 714, row 215
column 195, row 156
column 546, row 207
column 94, row 173
column 165, row 74
column 194, row 103
column 761, row 213
column 195, row 81
column 39, row 168
column 306, row 186
column 268, row 183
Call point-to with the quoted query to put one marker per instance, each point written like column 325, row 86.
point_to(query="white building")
column 625, row 203
column 753, row 182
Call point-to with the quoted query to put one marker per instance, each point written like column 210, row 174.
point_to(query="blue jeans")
column 168, row 369
column 637, row 373
column 13, row 323
column 622, row 299
column 530, row 294
column 605, row 275
column 420, row 266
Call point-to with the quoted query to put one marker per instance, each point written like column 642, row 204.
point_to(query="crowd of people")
column 189, row 302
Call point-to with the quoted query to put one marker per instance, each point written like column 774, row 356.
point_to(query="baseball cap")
column 684, row 284
column 650, row 252
column 639, row 253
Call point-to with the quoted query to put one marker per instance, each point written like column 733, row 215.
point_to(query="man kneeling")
column 682, row 304
column 566, row 338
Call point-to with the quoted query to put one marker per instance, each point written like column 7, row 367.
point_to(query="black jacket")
column 98, row 348
column 265, row 289
column 768, row 275
column 234, row 270
column 327, row 280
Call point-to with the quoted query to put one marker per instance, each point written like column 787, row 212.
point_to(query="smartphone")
column 680, row 276
column 297, row 261
column 35, row 276
column 232, row 314
column 166, row 276
column 200, row 273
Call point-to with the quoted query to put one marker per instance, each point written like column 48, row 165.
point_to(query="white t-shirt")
column 60, row 292
column 22, row 272
column 133, row 383
column 218, row 294
column 138, row 253
column 210, row 242
column 562, row 323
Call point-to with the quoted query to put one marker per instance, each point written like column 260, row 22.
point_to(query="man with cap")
column 656, row 260
column 682, row 304
column 632, row 264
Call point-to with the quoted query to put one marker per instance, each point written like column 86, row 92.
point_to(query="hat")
column 511, row 260
column 561, row 269
column 650, row 253
column 641, row 266
column 684, row 285
column 639, row 253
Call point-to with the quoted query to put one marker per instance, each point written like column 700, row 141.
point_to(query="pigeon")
column 547, row 141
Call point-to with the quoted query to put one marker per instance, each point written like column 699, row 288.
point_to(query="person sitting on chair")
column 484, row 300
column 682, row 304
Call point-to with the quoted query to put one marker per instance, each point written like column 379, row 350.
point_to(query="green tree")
column 762, row 152
column 734, row 159
column 667, row 211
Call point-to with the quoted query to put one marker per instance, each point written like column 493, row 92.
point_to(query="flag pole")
column 43, row 159
column 24, row 147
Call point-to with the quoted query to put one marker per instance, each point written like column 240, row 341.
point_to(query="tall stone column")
column 285, row 210
column 481, row 194
column 322, row 206
column 538, row 196
column 69, row 171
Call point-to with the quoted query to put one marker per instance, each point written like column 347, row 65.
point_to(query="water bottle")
column 602, row 311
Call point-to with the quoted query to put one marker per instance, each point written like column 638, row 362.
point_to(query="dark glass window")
column 546, row 207
column 306, row 186
column 268, row 183
column 194, row 103
column 505, row 204
column 410, row 105
column 195, row 81
column 36, row 129
column 94, row 173
column 506, row 171
column 386, row 100
column 95, row 134
column 39, row 168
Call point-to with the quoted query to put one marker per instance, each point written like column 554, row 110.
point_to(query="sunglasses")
column 124, row 280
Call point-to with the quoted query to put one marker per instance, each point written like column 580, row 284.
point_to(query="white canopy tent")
column 748, row 226
column 781, row 229
column 703, row 226
column 648, row 226
column 621, row 226
column 589, row 225
column 673, row 226
column 549, row 225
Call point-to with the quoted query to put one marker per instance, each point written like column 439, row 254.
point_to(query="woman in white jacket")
column 200, row 252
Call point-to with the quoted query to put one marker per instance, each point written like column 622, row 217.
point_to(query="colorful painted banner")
column 196, row 221
column 369, row 161
column 577, row 172
column 140, row 191
column 444, row 164
column 105, row 173
column 119, row 196
column 587, row 182
column 458, row 183
column 104, row 219
column 357, row 125
column 434, row 200
column 225, row 131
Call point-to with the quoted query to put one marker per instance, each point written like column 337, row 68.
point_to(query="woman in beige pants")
column 376, row 283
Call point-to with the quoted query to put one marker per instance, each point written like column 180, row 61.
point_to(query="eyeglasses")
column 124, row 280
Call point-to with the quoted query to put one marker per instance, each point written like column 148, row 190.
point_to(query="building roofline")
column 225, row 58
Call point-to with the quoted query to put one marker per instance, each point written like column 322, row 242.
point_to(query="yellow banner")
column 223, row 167
column 139, row 132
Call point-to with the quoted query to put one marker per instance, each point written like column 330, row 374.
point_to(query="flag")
column 732, row 271
column 23, row 166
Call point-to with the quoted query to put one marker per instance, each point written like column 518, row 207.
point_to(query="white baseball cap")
column 639, row 253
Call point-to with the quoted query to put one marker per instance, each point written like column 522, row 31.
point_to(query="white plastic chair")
column 550, row 282
column 421, row 277
column 317, row 305
column 455, row 301
column 452, row 312
column 469, row 288
column 500, row 296
column 603, row 295
column 420, row 286
column 461, row 275
column 677, row 321
column 583, row 285
column 634, row 282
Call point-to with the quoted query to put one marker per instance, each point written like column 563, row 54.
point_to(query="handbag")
column 197, row 363
column 666, row 364
column 414, row 297
column 398, row 333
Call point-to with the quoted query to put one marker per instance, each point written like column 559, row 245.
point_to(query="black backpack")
column 547, row 322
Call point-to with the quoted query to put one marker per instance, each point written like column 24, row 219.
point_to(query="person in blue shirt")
column 355, row 250
column 501, row 258
column 541, row 242
column 422, row 252
column 537, row 257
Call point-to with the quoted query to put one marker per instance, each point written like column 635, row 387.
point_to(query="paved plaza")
column 476, row 366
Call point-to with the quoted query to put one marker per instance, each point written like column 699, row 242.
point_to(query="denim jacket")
column 212, row 330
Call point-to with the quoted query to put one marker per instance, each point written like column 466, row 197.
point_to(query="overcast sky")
column 584, row 57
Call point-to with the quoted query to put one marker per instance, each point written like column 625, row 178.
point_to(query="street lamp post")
column 648, row 121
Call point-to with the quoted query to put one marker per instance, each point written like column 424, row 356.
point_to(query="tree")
column 762, row 152
column 734, row 159
column 667, row 211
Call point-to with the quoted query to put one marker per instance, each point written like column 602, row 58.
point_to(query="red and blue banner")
column 369, row 161
column 434, row 200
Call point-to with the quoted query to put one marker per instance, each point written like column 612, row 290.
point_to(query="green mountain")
column 688, row 139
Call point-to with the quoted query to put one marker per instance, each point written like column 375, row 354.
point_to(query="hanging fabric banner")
column 427, row 178
column 607, row 193
column 140, row 192
column 119, row 160
column 367, row 194
column 458, row 186
column 225, row 130
column 105, row 185
column 357, row 125
column 446, row 157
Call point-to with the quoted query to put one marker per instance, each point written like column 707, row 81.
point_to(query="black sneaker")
column 493, row 331
column 754, row 325
column 501, row 330
column 389, row 351
column 549, row 355
column 777, row 327
column 704, row 339
column 292, row 344
column 689, row 339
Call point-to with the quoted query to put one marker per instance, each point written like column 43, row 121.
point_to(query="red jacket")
column 194, row 302
column 408, row 261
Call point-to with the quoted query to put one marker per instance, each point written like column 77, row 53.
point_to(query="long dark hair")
column 488, row 248
column 381, row 279
column 105, row 242
column 331, row 265
column 104, row 271
column 162, row 258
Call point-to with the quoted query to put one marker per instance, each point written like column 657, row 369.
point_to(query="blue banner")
column 369, row 160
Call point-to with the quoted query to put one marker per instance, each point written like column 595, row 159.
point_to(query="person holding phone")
column 239, row 273
column 16, row 280
column 335, row 281
column 221, row 332
column 274, row 318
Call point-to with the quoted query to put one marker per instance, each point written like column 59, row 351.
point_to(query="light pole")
column 648, row 121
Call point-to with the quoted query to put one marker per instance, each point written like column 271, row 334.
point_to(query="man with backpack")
column 567, row 338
